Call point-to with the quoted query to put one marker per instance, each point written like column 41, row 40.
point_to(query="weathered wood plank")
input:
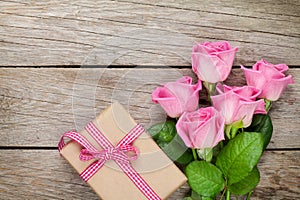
column 138, row 33
column 279, row 171
column 38, row 104
column 42, row 174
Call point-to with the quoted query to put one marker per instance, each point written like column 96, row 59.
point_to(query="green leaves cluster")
column 233, row 168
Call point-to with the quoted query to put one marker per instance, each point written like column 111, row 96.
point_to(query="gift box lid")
column 110, row 182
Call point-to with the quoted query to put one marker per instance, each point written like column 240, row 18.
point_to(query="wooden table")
column 63, row 61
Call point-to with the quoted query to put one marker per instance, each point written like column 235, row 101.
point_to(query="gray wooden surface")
column 152, row 32
column 38, row 102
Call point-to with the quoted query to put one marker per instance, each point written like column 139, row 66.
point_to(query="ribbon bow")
column 116, row 154
column 122, row 154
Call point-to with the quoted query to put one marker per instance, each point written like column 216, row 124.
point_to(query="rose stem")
column 194, row 154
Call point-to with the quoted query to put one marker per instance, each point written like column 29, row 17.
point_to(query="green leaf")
column 205, row 178
column 166, row 137
column 207, row 198
column 185, row 158
column 237, row 159
column 163, row 132
column 263, row 124
column 247, row 184
column 216, row 150
column 177, row 151
column 195, row 196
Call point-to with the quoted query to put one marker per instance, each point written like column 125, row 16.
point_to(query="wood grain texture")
column 42, row 174
column 132, row 32
column 38, row 104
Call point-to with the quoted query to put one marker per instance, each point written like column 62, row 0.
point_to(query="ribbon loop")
column 130, row 151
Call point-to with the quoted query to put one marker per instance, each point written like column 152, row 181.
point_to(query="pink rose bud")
column 245, row 92
column 212, row 61
column 269, row 78
column 178, row 97
column 200, row 129
column 235, row 106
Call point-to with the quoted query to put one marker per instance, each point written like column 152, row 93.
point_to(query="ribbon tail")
column 136, row 178
column 91, row 170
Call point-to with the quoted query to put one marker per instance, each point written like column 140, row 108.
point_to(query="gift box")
column 119, row 160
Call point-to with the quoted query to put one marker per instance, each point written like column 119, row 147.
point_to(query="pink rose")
column 200, row 129
column 244, row 92
column 212, row 61
column 236, row 107
column 178, row 97
column 269, row 78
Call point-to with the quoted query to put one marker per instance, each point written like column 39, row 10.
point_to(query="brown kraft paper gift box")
column 110, row 182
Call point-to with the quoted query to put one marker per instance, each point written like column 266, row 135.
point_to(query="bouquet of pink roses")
column 219, row 146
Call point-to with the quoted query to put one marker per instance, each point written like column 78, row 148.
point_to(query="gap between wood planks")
column 55, row 148
column 119, row 66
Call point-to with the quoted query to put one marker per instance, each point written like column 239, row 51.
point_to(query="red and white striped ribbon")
column 109, row 152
